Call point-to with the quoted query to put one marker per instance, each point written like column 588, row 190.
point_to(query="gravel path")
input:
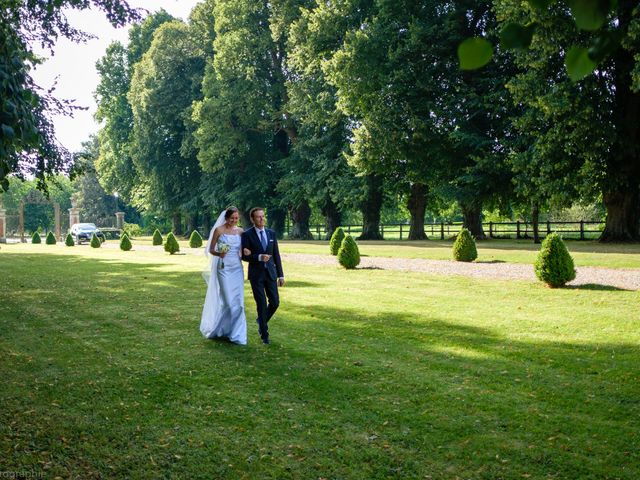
column 627, row 279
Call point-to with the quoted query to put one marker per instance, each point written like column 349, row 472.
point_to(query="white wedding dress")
column 223, row 313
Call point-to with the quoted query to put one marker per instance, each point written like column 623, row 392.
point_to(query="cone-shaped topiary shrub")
column 348, row 254
column 68, row 241
column 125, row 243
column 157, row 238
column 51, row 239
column 171, row 245
column 554, row 266
column 35, row 238
column 336, row 240
column 464, row 248
column 95, row 241
column 195, row 240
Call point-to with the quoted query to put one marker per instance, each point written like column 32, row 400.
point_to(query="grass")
column 372, row 374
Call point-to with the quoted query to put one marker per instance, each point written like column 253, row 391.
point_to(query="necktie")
column 263, row 240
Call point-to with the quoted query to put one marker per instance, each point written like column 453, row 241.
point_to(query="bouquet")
column 222, row 248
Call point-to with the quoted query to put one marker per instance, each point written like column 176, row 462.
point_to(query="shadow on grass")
column 597, row 286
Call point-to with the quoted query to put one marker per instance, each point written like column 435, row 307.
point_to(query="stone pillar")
column 56, row 211
column 120, row 220
column 74, row 216
column 3, row 225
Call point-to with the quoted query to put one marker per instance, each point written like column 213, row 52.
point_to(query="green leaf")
column 540, row 4
column 515, row 35
column 578, row 63
column 604, row 45
column 474, row 53
column 589, row 14
column 7, row 131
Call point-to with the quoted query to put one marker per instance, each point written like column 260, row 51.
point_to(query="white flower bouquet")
column 222, row 248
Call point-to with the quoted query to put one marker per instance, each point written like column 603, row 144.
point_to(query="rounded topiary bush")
column 464, row 248
column 51, row 239
column 125, row 243
column 171, row 245
column 554, row 266
column 157, row 238
column 35, row 238
column 68, row 241
column 336, row 240
column 348, row 254
column 95, row 241
column 195, row 240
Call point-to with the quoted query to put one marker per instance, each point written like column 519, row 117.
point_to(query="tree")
column 165, row 83
column 584, row 135
column 27, row 144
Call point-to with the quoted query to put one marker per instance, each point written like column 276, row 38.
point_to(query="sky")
column 72, row 66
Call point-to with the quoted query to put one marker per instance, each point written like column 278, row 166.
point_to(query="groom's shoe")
column 266, row 341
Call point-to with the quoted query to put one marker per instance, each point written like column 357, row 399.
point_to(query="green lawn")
column 371, row 374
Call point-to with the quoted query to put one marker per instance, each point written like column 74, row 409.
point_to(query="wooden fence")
column 582, row 230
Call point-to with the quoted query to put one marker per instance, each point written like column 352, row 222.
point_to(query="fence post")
column 490, row 229
column 382, row 229
column 548, row 227
column 441, row 230
column 349, row 229
column 581, row 229
column 400, row 231
column 518, row 229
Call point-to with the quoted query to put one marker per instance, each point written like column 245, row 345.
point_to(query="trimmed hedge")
column 348, row 254
column 51, row 239
column 157, row 238
column 35, row 238
column 68, row 241
column 464, row 248
column 171, row 245
column 95, row 241
column 336, row 240
column 125, row 243
column 195, row 240
column 554, row 266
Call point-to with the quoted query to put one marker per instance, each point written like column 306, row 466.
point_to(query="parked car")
column 83, row 232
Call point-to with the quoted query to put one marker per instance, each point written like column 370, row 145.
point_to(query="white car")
column 83, row 232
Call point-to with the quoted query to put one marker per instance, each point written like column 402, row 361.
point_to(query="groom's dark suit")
column 263, row 275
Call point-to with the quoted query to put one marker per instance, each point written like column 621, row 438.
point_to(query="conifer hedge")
column 349, row 254
column 464, row 248
column 125, row 243
column 554, row 266
column 68, row 241
column 171, row 245
column 35, row 238
column 95, row 241
column 336, row 240
column 157, row 238
column 51, row 239
column 195, row 240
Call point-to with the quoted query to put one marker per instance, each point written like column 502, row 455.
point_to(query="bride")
column 223, row 312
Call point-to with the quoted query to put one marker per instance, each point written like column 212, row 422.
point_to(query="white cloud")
column 74, row 65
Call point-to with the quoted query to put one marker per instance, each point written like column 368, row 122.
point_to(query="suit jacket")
column 273, row 267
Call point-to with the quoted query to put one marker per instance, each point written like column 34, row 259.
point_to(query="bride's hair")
column 230, row 211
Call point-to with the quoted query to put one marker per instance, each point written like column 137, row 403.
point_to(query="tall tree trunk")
column 417, row 205
column 370, row 207
column 277, row 220
column 621, row 193
column 535, row 221
column 206, row 221
column 332, row 216
column 472, row 219
column 192, row 222
column 300, row 216
column 176, row 220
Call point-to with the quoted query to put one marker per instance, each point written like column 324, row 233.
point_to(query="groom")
column 265, row 269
